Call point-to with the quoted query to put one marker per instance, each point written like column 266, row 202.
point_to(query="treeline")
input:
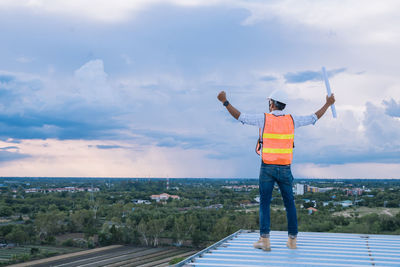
column 147, row 227
column 110, row 216
column 152, row 226
column 367, row 224
column 142, row 226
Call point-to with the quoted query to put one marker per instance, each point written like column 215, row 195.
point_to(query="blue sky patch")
column 108, row 146
column 305, row 76
column 392, row 107
column 6, row 156
column 268, row 78
column 4, row 78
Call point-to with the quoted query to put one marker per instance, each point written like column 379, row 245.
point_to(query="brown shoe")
column 292, row 243
column 263, row 243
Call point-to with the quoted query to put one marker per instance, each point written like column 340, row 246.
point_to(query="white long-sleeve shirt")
column 258, row 119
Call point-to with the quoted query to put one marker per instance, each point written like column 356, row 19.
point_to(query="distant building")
column 325, row 189
column 354, row 191
column 299, row 189
column 141, row 201
column 346, row 203
column 90, row 189
column 312, row 189
column 31, row 190
column 70, row 189
column 326, row 203
column 215, row 206
column 164, row 197
column 241, row 187
column 311, row 210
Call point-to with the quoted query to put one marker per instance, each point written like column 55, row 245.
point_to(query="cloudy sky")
column 128, row 88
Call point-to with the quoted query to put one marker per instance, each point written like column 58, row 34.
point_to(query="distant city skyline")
column 128, row 88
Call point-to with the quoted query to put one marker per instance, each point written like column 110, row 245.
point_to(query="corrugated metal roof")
column 314, row 249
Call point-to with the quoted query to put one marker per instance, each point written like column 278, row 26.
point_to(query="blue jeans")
column 282, row 175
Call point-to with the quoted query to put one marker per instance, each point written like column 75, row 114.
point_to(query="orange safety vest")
column 277, row 140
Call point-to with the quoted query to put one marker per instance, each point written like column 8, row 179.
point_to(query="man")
column 276, row 140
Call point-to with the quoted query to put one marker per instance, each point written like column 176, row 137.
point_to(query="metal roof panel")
column 314, row 249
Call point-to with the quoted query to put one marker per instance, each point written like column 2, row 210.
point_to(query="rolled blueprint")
column 328, row 89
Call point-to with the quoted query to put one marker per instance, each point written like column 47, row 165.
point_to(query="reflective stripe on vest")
column 278, row 136
column 278, row 150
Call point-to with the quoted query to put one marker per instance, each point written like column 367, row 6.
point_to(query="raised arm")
column 232, row 110
column 329, row 101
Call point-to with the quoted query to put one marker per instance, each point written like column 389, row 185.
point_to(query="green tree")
column 222, row 228
column 17, row 235
column 143, row 231
column 5, row 211
column 182, row 229
column 50, row 223
column 83, row 221
column 155, row 228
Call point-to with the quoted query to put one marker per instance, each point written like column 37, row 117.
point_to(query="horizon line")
column 226, row 178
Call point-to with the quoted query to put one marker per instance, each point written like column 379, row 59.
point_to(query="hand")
column 330, row 99
column 222, row 96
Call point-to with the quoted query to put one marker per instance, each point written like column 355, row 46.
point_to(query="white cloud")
column 91, row 83
column 358, row 21
column 23, row 59
column 351, row 170
column 177, row 124
column 355, row 21
column 97, row 10
column 92, row 71
column 382, row 130
column 175, row 118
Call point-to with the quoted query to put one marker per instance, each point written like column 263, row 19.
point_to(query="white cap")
column 279, row 95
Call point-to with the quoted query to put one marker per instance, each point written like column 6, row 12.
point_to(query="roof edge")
column 200, row 253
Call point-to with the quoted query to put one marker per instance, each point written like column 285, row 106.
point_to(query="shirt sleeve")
column 300, row 121
column 252, row 119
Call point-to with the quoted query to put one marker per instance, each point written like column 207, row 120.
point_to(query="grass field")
column 365, row 210
column 7, row 254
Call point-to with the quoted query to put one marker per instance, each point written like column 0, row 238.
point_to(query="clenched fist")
column 222, row 96
column 330, row 99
